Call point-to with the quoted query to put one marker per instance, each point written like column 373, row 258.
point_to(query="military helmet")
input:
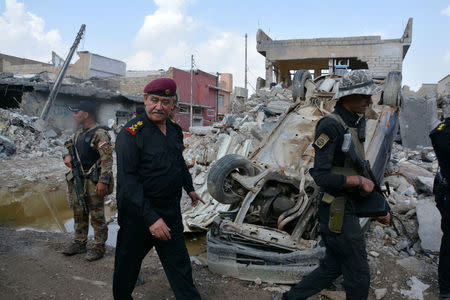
column 358, row 82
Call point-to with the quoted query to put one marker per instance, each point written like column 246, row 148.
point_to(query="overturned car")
column 270, row 230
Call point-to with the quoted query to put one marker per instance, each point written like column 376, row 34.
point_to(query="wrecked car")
column 270, row 230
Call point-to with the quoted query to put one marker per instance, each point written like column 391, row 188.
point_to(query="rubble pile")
column 275, row 100
column 413, row 239
column 22, row 136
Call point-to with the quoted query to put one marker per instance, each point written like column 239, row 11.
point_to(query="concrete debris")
column 380, row 293
column 7, row 147
column 428, row 217
column 278, row 107
column 200, row 130
column 403, row 244
column 424, row 184
column 21, row 136
column 374, row 254
column 418, row 117
column 417, row 289
column 415, row 266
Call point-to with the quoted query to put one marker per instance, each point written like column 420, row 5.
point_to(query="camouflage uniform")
column 101, row 144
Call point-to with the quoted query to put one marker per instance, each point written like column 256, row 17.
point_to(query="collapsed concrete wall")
column 30, row 94
column 361, row 52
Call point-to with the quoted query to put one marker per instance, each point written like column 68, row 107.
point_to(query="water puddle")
column 35, row 206
column 41, row 207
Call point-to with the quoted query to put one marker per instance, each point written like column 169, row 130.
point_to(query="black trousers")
column 345, row 254
column 443, row 204
column 134, row 241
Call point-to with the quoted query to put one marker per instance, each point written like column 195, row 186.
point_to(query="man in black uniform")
column 150, row 174
column 440, row 138
column 336, row 176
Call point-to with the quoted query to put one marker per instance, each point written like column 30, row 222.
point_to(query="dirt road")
column 32, row 267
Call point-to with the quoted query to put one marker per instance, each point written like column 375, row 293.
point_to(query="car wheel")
column 392, row 90
column 220, row 184
column 298, row 84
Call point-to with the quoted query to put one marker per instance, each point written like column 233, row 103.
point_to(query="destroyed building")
column 332, row 55
column 30, row 94
column 103, row 79
column 88, row 65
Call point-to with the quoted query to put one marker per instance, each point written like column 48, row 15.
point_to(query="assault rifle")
column 374, row 204
column 77, row 175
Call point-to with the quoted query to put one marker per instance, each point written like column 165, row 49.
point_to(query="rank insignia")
column 441, row 126
column 322, row 140
column 132, row 128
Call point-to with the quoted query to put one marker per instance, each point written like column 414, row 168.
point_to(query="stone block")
column 418, row 116
column 241, row 92
column 429, row 220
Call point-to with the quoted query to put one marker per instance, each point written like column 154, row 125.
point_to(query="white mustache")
column 158, row 111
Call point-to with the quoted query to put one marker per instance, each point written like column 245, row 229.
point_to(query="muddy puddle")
column 41, row 207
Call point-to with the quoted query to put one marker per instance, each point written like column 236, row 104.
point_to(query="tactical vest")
column 348, row 169
column 337, row 204
column 87, row 154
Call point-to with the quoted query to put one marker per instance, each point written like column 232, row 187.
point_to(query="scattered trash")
column 417, row 289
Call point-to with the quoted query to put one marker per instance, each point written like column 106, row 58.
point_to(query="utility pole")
column 245, row 61
column 62, row 72
column 192, row 73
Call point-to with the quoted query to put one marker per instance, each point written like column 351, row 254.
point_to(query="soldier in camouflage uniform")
column 342, row 186
column 94, row 152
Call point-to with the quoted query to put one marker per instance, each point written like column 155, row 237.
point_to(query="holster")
column 337, row 210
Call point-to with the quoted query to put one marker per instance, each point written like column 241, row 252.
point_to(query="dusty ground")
column 32, row 267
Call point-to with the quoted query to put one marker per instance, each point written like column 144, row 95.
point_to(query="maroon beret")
column 161, row 87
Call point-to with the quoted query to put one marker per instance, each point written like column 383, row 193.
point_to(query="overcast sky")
column 157, row 34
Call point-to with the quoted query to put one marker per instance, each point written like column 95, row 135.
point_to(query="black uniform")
column 345, row 251
column 440, row 138
column 150, row 174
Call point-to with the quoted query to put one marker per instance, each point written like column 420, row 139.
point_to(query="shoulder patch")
column 102, row 143
column 132, row 128
column 322, row 140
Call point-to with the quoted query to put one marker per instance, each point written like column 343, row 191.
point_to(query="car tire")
column 298, row 84
column 219, row 181
column 392, row 89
